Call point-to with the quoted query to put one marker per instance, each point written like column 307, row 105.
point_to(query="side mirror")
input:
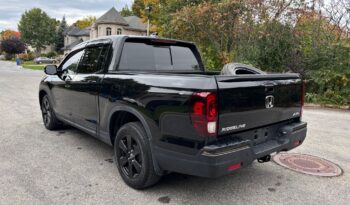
column 50, row 69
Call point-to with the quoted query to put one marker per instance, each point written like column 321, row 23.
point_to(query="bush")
column 12, row 46
column 26, row 56
column 328, row 87
column 9, row 56
column 51, row 54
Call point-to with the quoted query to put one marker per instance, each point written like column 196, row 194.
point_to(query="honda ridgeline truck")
column 152, row 100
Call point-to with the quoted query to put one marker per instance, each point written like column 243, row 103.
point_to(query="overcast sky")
column 11, row 10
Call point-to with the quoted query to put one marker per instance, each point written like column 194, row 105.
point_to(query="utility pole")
column 148, row 10
column 148, row 27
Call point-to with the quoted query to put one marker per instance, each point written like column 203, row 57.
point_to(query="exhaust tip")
column 264, row 159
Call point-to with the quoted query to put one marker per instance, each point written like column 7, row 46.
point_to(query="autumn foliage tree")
column 308, row 37
column 138, row 7
column 6, row 34
column 85, row 22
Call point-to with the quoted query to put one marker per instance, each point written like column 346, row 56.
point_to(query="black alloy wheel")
column 46, row 111
column 130, row 158
column 133, row 156
column 49, row 118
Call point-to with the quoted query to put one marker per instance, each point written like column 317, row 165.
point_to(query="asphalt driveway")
column 38, row 166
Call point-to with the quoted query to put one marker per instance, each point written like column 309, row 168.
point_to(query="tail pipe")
column 263, row 159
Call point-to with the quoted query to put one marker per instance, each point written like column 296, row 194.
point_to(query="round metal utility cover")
column 307, row 164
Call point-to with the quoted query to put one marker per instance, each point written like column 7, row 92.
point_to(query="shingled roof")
column 135, row 23
column 75, row 31
column 112, row 16
column 70, row 46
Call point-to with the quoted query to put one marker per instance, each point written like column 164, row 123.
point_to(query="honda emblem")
column 269, row 101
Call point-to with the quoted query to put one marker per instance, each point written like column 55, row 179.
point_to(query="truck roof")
column 123, row 37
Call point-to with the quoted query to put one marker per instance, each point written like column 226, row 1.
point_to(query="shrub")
column 328, row 86
column 26, row 56
column 12, row 46
column 51, row 54
column 9, row 56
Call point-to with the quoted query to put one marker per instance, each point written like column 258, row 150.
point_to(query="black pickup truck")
column 152, row 100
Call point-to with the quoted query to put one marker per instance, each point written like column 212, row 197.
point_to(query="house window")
column 119, row 31
column 108, row 31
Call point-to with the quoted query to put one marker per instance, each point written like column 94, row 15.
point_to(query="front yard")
column 32, row 65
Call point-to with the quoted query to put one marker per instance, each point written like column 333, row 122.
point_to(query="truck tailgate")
column 252, row 101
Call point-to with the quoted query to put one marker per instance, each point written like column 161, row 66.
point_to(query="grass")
column 28, row 62
column 29, row 65
column 32, row 65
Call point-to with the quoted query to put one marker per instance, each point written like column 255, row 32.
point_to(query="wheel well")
column 41, row 95
column 119, row 119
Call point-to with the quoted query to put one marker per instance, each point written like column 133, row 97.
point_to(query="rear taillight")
column 204, row 113
column 302, row 99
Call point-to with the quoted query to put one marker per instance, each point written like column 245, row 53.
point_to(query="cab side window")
column 70, row 66
column 93, row 59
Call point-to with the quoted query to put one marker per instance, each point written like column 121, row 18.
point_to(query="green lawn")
column 28, row 62
column 32, row 65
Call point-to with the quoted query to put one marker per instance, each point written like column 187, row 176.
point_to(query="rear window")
column 157, row 56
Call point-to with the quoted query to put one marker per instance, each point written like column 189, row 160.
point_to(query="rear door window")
column 147, row 56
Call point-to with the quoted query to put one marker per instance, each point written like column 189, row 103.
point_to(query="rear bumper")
column 222, row 158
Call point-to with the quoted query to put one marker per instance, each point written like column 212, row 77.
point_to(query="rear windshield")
column 153, row 55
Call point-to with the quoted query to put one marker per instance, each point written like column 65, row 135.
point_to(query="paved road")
column 38, row 166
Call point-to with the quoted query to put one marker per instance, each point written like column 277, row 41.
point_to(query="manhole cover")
column 308, row 164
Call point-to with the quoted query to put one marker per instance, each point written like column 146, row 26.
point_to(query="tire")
column 133, row 156
column 49, row 118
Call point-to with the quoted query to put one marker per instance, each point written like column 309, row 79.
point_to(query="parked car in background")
column 44, row 60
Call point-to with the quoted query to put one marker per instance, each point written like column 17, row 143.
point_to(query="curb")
column 337, row 107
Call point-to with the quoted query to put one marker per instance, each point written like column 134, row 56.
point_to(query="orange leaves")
column 9, row 34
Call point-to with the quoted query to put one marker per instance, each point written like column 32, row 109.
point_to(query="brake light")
column 302, row 99
column 163, row 41
column 204, row 113
column 233, row 167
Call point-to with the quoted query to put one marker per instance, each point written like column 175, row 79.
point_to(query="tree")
column 85, row 22
column 60, row 37
column 6, row 34
column 126, row 11
column 308, row 37
column 213, row 26
column 12, row 46
column 37, row 29
column 138, row 7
